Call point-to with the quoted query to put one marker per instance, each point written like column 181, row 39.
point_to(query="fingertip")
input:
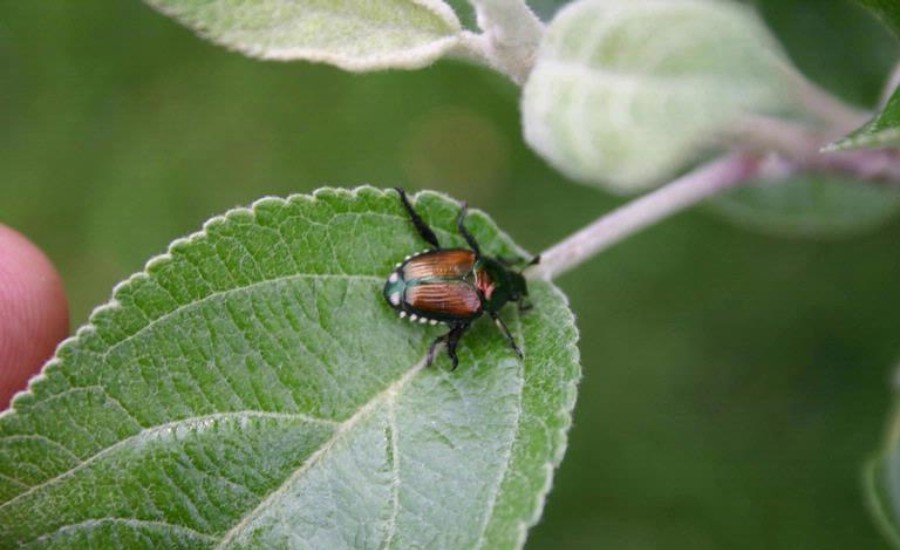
column 34, row 314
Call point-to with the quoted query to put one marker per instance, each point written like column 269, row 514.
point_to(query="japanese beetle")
column 454, row 286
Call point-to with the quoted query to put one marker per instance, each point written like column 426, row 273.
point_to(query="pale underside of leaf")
column 625, row 93
column 814, row 205
column 356, row 35
column 253, row 389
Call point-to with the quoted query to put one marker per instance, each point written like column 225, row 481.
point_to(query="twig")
column 801, row 147
column 712, row 178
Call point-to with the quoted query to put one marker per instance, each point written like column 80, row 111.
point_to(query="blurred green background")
column 733, row 383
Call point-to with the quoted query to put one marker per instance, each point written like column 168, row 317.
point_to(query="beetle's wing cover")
column 446, row 299
column 440, row 264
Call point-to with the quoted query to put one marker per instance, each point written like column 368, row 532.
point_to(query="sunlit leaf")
column 356, row 35
column 252, row 388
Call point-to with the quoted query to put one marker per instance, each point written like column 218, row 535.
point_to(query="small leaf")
column 252, row 388
column 884, row 128
column 810, row 206
column 882, row 482
column 882, row 131
column 886, row 10
column 356, row 35
column 626, row 92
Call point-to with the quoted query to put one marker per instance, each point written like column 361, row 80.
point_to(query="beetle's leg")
column 424, row 231
column 525, row 306
column 473, row 244
column 503, row 328
column 451, row 339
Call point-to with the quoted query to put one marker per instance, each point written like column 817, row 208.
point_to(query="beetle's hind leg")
column 505, row 330
column 473, row 244
column 424, row 230
column 451, row 339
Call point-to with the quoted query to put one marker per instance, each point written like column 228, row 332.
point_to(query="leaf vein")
column 342, row 429
column 147, row 432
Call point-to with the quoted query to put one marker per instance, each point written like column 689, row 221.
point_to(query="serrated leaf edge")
column 539, row 501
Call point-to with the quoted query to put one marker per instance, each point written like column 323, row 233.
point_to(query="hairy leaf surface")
column 356, row 35
column 251, row 388
column 626, row 92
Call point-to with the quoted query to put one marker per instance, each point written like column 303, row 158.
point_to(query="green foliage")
column 882, row 131
column 718, row 361
column 251, row 388
column 810, row 206
column 352, row 34
column 623, row 94
column 884, row 128
column 879, row 480
column 882, row 482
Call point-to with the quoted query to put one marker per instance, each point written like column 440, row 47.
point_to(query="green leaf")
column 884, row 128
column 356, row 35
column 886, row 10
column 626, row 92
column 810, row 206
column 881, row 479
column 252, row 388
column 882, row 131
column 881, row 494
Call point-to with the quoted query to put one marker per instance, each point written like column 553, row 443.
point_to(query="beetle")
column 454, row 286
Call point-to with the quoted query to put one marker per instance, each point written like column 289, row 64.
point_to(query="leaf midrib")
column 385, row 395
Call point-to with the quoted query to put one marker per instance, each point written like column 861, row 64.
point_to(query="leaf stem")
column 802, row 148
column 686, row 191
column 511, row 33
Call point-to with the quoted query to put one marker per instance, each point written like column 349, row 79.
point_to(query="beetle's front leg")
column 424, row 230
column 505, row 330
column 451, row 339
column 461, row 226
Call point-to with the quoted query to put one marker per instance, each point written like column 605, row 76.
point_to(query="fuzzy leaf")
column 626, row 92
column 252, row 388
column 356, row 35
column 810, row 206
